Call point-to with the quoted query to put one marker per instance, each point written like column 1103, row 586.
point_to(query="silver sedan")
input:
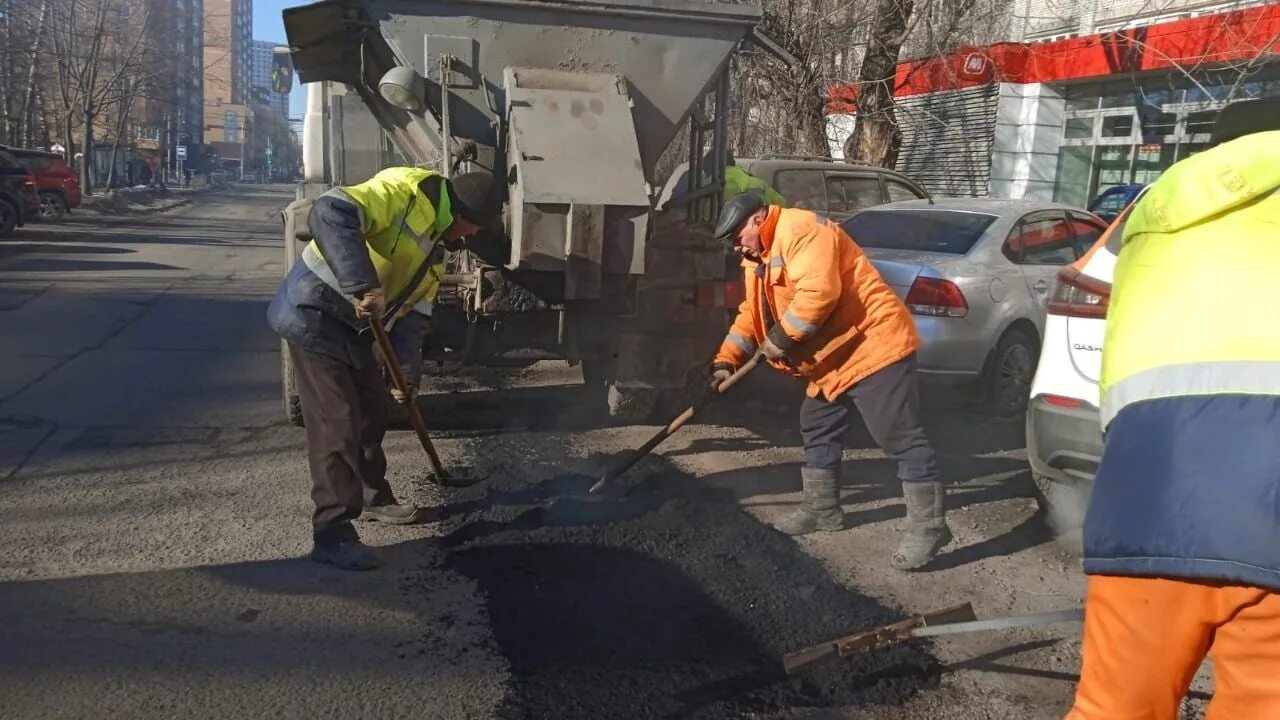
column 975, row 273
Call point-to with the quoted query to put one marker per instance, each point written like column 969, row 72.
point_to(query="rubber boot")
column 820, row 508
column 926, row 525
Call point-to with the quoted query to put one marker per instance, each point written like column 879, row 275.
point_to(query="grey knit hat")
column 474, row 196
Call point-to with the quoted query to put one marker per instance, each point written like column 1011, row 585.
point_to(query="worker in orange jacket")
column 817, row 309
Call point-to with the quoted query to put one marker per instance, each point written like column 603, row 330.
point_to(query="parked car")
column 975, row 272
column 1064, row 430
column 835, row 188
column 18, row 199
column 1113, row 200
column 57, row 186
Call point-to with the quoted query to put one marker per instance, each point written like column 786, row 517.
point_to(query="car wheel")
column 1063, row 505
column 52, row 206
column 1013, row 364
column 8, row 218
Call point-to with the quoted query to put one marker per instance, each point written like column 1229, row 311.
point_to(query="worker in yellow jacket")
column 378, row 256
column 1182, row 533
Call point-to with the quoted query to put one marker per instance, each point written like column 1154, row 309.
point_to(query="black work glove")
column 772, row 352
column 719, row 373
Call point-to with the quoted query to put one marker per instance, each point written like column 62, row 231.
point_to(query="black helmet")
column 735, row 212
column 474, row 196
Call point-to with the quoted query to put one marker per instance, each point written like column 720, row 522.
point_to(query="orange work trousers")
column 1144, row 639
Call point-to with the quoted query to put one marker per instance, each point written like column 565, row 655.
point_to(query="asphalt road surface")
column 154, row 518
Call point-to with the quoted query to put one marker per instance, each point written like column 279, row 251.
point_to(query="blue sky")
column 267, row 25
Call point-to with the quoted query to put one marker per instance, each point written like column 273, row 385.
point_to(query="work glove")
column 719, row 373
column 371, row 304
column 772, row 352
column 401, row 397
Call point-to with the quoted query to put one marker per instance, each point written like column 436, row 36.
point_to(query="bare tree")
column 94, row 45
column 23, row 33
column 876, row 136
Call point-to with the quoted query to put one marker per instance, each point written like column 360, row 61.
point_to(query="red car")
column 56, row 183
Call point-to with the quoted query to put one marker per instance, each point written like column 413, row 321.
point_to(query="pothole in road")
column 676, row 604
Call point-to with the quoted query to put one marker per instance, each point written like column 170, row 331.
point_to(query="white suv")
column 1064, row 431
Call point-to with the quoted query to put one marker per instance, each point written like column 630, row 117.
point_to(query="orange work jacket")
column 816, row 295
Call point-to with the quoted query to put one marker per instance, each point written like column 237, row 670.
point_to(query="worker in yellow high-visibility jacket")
column 1182, row 534
column 378, row 256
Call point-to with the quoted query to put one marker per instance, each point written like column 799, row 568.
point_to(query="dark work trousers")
column 345, row 410
column 889, row 402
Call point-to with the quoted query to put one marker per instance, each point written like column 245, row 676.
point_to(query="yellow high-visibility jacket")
column 1189, row 485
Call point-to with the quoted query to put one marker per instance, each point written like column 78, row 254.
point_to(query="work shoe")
column 347, row 555
column 392, row 514
column 820, row 508
column 926, row 525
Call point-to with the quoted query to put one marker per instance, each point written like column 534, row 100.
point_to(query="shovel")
column 438, row 474
column 681, row 420
column 952, row 621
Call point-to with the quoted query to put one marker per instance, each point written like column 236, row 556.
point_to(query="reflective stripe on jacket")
column 817, row 295
column 401, row 227
column 1189, row 484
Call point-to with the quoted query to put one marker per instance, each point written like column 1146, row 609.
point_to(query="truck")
column 571, row 104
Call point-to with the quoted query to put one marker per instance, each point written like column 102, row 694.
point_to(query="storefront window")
column 1208, row 93
column 1129, row 131
column 1072, row 183
column 1079, row 128
column 1158, row 126
column 1088, row 102
column 1117, row 126
column 1151, row 161
column 1113, row 166
column 1201, row 123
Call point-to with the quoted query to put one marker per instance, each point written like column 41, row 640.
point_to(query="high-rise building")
column 228, row 61
column 260, row 78
column 165, row 87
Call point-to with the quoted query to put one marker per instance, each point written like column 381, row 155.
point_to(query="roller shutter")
column 947, row 139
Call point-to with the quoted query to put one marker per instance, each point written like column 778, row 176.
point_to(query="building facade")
column 260, row 78
column 1064, row 119
column 228, row 63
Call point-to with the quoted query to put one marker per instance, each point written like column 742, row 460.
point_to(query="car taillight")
column 1061, row 401
column 720, row 294
column 933, row 296
column 30, row 182
column 1078, row 295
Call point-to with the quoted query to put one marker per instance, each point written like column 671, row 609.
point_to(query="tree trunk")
column 86, row 167
column 6, row 73
column 121, row 120
column 876, row 137
column 29, row 93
